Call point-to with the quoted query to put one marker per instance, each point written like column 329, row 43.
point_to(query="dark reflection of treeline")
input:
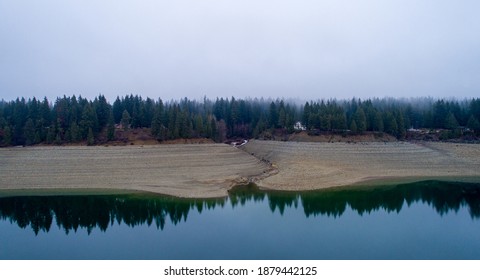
column 101, row 211
column 276, row 200
column 442, row 196
column 92, row 211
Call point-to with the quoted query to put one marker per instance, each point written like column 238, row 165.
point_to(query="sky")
column 306, row 49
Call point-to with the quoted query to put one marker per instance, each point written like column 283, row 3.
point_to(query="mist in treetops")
column 79, row 120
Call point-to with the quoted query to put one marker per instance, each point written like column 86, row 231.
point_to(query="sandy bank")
column 206, row 170
column 307, row 166
column 210, row 170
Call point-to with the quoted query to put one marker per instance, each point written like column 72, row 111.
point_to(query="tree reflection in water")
column 102, row 211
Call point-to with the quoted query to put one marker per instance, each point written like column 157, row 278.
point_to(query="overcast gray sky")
column 243, row 48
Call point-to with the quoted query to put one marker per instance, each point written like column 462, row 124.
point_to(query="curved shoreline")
column 312, row 166
column 211, row 170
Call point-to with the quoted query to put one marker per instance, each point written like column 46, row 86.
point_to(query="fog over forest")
column 79, row 120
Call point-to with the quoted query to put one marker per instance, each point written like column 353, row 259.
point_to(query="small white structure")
column 299, row 126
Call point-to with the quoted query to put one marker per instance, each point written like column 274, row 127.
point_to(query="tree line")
column 76, row 119
column 392, row 116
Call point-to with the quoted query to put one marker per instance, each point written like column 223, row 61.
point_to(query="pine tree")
column 102, row 109
column 185, row 126
column 360, row 120
column 208, row 128
column 378, row 122
column 90, row 138
column 111, row 127
column 213, row 129
column 199, row 129
column 306, row 115
column 273, row 115
column 58, row 139
column 353, row 126
column 148, row 112
column 125, row 120
column 51, row 133
column 68, row 136
column 135, row 121
column 117, row 109
column 282, row 115
column 341, row 121
column 401, row 131
column 290, row 123
column 157, row 122
column 474, row 124
column 391, row 126
column 221, row 131
column 325, row 122
column 451, row 122
column 38, row 138
column 75, row 134
column 89, row 120
column 439, row 114
column 29, row 132
column 7, row 137
column 45, row 112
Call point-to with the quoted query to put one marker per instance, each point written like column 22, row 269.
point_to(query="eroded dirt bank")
column 210, row 170
column 307, row 166
column 203, row 170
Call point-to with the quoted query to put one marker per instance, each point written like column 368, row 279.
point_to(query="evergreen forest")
column 79, row 120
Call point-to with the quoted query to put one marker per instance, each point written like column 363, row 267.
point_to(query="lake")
column 426, row 220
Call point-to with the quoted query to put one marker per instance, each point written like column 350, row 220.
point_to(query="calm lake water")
column 428, row 220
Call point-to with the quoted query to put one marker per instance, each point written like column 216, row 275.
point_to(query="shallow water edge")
column 427, row 220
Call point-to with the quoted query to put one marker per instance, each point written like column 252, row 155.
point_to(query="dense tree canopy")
column 76, row 119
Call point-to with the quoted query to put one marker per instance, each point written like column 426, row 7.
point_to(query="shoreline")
column 315, row 166
column 211, row 170
column 368, row 184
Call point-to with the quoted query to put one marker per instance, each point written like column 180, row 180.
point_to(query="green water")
column 427, row 220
